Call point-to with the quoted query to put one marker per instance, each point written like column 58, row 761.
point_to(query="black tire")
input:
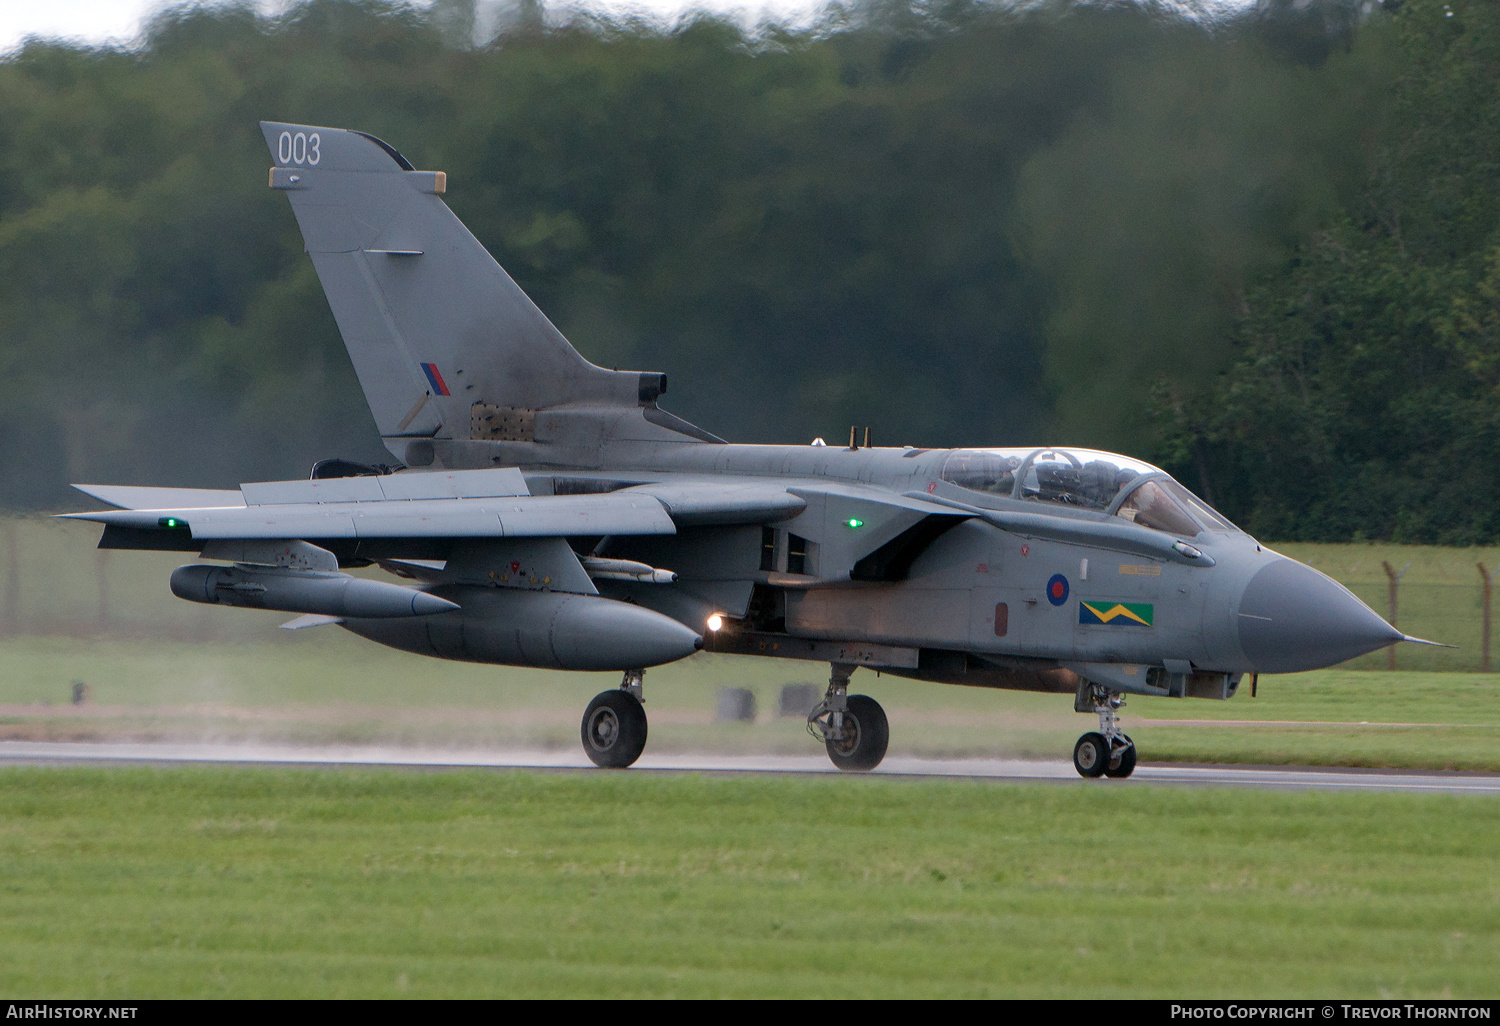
column 867, row 734
column 1091, row 755
column 614, row 730
column 1123, row 764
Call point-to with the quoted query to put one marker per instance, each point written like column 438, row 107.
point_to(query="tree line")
column 1259, row 249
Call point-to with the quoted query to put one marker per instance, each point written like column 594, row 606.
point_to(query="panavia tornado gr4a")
column 549, row 513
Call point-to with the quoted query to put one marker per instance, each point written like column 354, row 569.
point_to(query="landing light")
column 715, row 622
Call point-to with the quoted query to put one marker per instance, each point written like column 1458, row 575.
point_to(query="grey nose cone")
column 1293, row 618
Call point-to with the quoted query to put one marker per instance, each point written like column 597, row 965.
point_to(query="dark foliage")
column 957, row 222
column 1362, row 399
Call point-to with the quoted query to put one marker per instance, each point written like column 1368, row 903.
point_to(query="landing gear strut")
column 614, row 724
column 1107, row 752
column 852, row 727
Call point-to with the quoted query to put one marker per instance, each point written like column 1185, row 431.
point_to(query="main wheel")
column 1123, row 763
column 1091, row 755
column 866, row 734
column 614, row 729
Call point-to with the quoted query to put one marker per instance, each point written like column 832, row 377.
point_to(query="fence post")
column 1485, row 577
column 101, row 576
column 12, row 579
column 1394, row 577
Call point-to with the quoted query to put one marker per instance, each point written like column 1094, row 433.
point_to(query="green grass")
column 1439, row 598
column 1352, row 718
column 233, row 882
column 53, row 581
column 328, row 687
column 162, row 668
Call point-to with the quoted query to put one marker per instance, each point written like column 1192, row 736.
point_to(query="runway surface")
column 34, row 753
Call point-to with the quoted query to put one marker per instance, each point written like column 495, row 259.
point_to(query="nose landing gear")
column 1107, row 752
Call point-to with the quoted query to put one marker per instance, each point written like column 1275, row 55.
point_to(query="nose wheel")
column 1091, row 755
column 1122, row 761
column 1109, row 751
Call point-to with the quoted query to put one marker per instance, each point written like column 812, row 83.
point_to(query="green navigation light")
column 854, row 522
column 171, row 523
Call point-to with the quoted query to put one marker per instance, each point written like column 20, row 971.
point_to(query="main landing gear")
column 614, row 724
column 1107, row 752
column 852, row 727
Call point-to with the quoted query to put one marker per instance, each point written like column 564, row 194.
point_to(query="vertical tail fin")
column 439, row 334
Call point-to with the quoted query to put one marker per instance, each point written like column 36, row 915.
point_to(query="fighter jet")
column 547, row 512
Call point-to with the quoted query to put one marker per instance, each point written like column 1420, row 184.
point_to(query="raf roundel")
column 1057, row 590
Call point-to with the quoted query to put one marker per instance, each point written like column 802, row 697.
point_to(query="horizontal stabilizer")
column 139, row 497
column 501, row 482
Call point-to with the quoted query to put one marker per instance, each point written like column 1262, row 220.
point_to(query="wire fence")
column 1437, row 593
column 1437, row 612
column 54, row 582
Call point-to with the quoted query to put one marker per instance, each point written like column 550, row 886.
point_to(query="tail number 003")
column 297, row 149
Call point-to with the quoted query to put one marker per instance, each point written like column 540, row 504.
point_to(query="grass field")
column 53, row 581
column 260, row 882
column 235, row 882
column 157, row 667
column 328, row 687
column 1440, row 596
column 1335, row 718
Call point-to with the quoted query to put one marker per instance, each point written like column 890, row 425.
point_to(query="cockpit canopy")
column 1086, row 479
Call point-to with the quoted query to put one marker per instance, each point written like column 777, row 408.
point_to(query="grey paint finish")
column 463, row 484
column 1293, row 618
column 525, row 564
column 555, row 631
column 445, row 302
column 137, row 497
column 302, row 591
column 517, row 516
column 716, row 500
column 987, row 587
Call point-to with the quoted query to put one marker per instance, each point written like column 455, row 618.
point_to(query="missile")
column 556, row 630
column 601, row 569
column 302, row 591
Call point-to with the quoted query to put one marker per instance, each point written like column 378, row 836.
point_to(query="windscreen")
column 1206, row 514
column 1152, row 505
